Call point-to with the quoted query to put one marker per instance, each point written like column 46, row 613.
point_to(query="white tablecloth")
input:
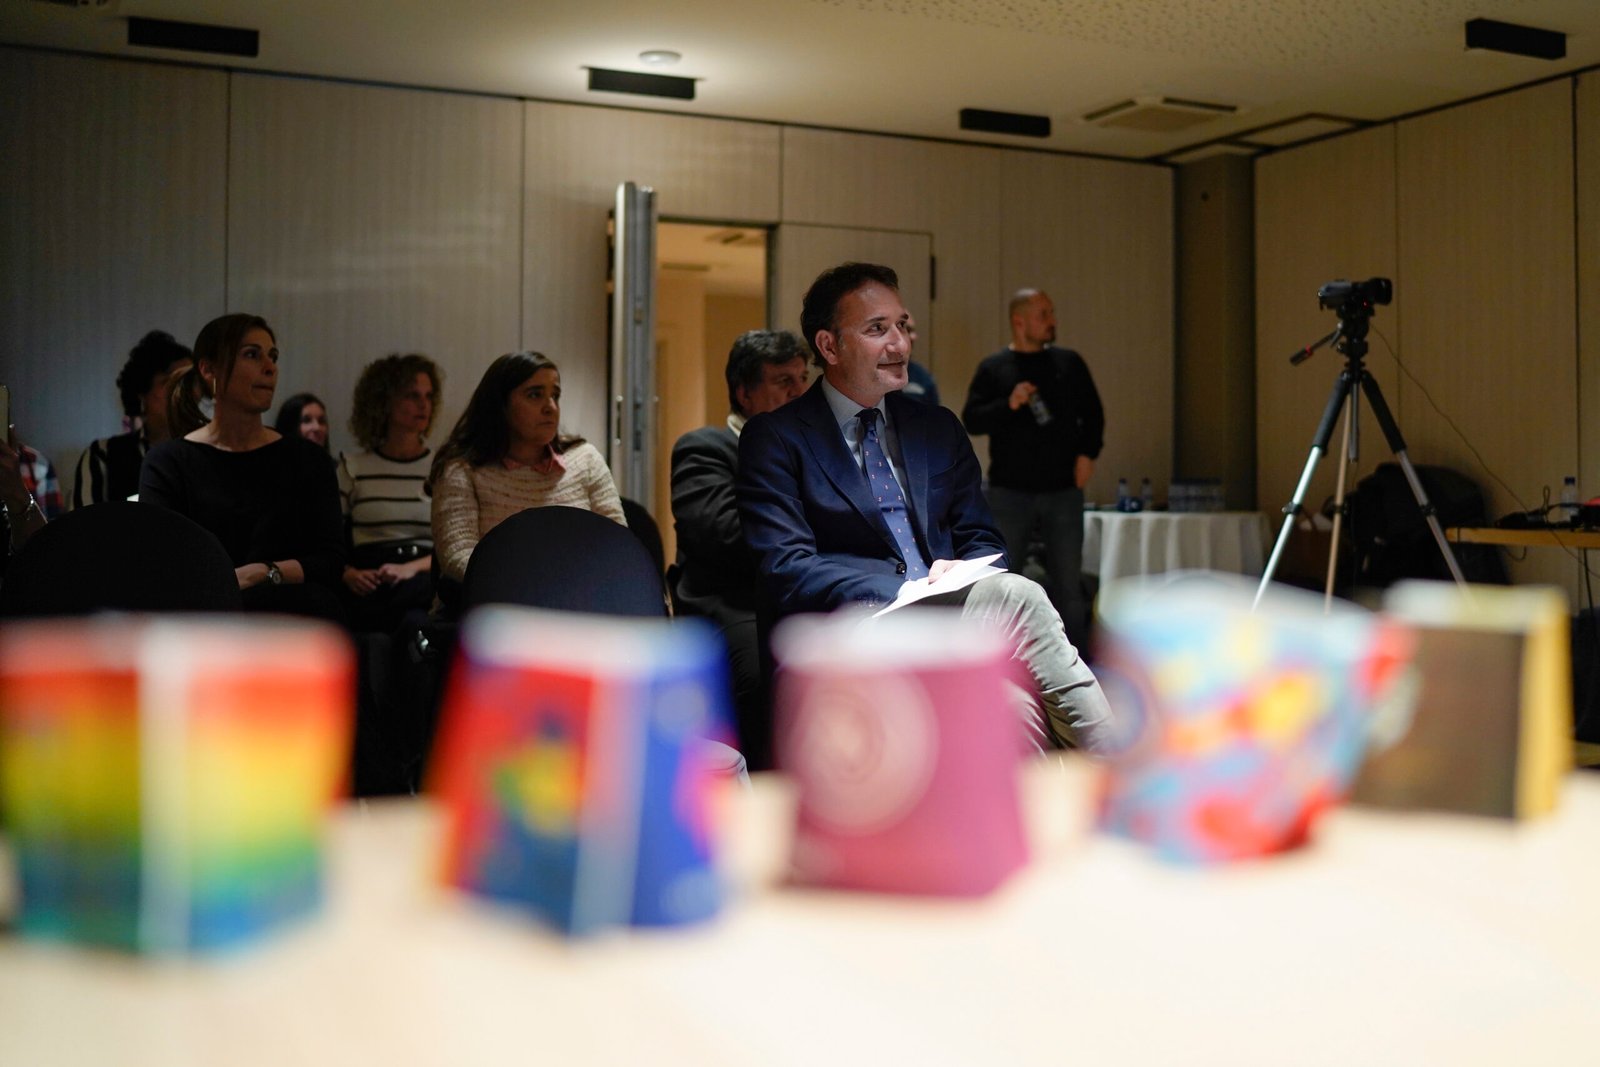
column 1392, row 939
column 1119, row 545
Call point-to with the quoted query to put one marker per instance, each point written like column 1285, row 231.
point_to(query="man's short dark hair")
column 820, row 311
column 752, row 352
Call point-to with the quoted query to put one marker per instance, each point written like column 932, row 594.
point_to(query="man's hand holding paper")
column 944, row 576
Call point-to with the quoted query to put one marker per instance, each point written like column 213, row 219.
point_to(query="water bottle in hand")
column 1041, row 410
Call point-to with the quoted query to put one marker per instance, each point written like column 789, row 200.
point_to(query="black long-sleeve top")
column 276, row 502
column 1022, row 454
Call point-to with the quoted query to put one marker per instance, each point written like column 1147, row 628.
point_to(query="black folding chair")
column 644, row 527
column 565, row 559
column 120, row 556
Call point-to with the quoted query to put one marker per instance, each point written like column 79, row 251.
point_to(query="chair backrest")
column 119, row 556
column 565, row 559
column 644, row 527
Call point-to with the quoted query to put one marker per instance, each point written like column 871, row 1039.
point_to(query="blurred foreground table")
column 1120, row 544
column 1393, row 939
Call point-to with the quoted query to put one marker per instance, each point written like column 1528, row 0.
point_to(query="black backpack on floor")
column 1392, row 541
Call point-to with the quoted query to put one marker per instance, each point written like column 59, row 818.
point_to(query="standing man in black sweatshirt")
column 1039, row 407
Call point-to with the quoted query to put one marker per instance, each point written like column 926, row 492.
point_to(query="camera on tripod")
column 1354, row 302
column 1355, row 298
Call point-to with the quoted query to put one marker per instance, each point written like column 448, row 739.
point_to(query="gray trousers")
column 1058, row 516
column 1075, row 711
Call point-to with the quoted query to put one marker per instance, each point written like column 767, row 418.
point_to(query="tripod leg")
column 1319, row 446
column 1345, row 456
column 1397, row 445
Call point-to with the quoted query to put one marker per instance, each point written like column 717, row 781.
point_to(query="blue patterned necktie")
column 893, row 502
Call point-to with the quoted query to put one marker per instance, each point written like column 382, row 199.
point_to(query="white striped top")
column 383, row 497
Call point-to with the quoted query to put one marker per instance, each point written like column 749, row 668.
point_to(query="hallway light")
column 1515, row 40
column 628, row 81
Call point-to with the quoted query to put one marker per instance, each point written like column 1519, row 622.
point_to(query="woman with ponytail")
column 270, row 499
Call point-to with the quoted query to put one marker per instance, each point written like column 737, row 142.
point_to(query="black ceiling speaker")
column 626, row 81
column 1516, row 40
column 193, row 37
column 981, row 121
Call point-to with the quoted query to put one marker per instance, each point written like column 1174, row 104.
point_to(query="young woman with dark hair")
column 507, row 454
column 269, row 498
column 304, row 415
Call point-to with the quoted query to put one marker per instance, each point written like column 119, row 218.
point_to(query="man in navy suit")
column 852, row 490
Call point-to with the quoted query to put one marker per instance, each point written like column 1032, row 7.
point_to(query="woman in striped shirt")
column 385, row 507
column 109, row 467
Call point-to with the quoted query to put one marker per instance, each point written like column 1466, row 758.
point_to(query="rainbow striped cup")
column 164, row 781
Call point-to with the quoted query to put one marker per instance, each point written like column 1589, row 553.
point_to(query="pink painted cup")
column 902, row 735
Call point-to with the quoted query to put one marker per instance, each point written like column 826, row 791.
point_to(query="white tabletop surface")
column 1391, row 940
column 1120, row 545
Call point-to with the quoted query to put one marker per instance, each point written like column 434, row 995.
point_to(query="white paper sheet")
column 963, row 574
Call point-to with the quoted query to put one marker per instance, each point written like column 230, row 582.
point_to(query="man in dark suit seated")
column 717, row 571
column 852, row 490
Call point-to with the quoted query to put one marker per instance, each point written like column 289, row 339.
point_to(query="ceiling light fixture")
column 629, row 81
column 981, row 121
column 1515, row 40
column 659, row 57
column 193, row 37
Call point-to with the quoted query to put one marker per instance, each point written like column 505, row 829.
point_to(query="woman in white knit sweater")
column 507, row 454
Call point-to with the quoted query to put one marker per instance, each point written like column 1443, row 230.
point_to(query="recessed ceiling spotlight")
column 659, row 57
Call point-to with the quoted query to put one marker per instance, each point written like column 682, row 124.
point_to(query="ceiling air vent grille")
column 1158, row 114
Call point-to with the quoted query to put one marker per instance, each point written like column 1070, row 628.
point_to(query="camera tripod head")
column 1355, row 299
column 1353, row 303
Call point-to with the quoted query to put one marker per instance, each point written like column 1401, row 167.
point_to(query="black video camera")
column 1355, row 298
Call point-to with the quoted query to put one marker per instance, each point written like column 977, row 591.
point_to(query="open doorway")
column 711, row 286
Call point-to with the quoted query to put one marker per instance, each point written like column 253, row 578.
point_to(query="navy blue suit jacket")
column 815, row 526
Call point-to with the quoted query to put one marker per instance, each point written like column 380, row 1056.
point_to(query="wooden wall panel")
column 111, row 224
column 1487, row 255
column 1588, row 227
column 952, row 192
column 1098, row 237
column 702, row 169
column 366, row 220
column 1214, row 386
column 681, row 370
column 1322, row 212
